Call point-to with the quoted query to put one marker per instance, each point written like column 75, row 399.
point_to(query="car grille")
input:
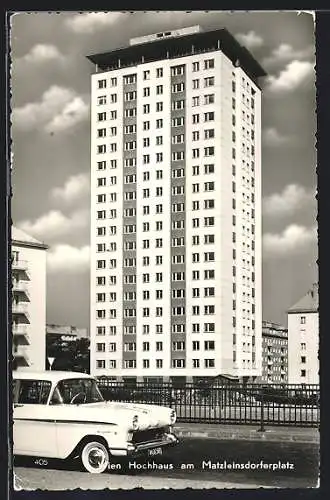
column 148, row 435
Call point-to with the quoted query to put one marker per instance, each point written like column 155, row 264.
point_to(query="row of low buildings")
column 289, row 355
column 176, row 287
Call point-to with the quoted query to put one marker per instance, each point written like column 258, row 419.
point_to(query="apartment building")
column 65, row 332
column 176, row 208
column 28, row 301
column 274, row 353
column 303, row 339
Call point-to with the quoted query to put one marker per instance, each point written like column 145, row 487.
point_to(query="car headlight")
column 173, row 417
column 135, row 423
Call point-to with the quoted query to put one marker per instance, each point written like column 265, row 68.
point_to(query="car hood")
column 149, row 416
column 107, row 412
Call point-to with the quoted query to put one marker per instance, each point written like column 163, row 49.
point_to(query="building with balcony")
column 28, row 272
column 274, row 353
column 303, row 339
column 176, row 208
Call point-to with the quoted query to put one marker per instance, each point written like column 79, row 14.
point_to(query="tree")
column 81, row 355
column 70, row 355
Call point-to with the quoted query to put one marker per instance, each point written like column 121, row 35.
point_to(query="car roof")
column 52, row 376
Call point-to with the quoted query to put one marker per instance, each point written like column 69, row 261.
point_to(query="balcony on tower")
column 20, row 312
column 20, row 290
column 20, row 334
column 21, row 358
column 20, row 269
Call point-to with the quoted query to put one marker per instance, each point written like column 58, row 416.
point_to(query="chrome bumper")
column 140, row 448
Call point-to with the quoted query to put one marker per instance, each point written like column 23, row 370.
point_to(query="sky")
column 50, row 87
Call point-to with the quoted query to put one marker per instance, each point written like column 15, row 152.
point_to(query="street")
column 195, row 463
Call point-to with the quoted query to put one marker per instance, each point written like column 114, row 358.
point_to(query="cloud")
column 292, row 199
column 292, row 77
column 41, row 53
column 72, row 113
column 272, row 138
column 58, row 109
column 250, row 40
column 68, row 258
column 169, row 20
column 285, row 53
column 74, row 187
column 55, row 223
column 293, row 240
column 90, row 22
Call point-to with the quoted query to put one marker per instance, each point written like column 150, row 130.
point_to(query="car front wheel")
column 95, row 457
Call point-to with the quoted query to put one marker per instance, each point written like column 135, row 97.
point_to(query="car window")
column 72, row 391
column 31, row 391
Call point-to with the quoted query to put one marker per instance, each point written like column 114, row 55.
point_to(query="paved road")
column 60, row 480
column 196, row 463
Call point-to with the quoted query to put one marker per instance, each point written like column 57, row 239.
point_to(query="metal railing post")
column 262, row 423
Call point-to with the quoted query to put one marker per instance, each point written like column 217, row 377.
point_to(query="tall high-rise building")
column 176, row 208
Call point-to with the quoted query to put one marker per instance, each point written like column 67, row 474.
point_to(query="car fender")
column 71, row 434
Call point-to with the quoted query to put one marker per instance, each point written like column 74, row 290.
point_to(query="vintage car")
column 63, row 415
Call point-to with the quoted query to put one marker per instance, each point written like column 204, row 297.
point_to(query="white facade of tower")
column 209, row 323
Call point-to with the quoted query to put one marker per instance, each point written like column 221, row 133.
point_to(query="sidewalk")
column 247, row 432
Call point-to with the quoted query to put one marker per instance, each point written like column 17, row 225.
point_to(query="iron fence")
column 252, row 404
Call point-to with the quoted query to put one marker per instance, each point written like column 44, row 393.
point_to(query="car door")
column 34, row 428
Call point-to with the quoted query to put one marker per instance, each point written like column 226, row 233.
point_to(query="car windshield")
column 76, row 391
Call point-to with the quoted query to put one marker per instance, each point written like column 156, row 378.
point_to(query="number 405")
column 41, row 461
